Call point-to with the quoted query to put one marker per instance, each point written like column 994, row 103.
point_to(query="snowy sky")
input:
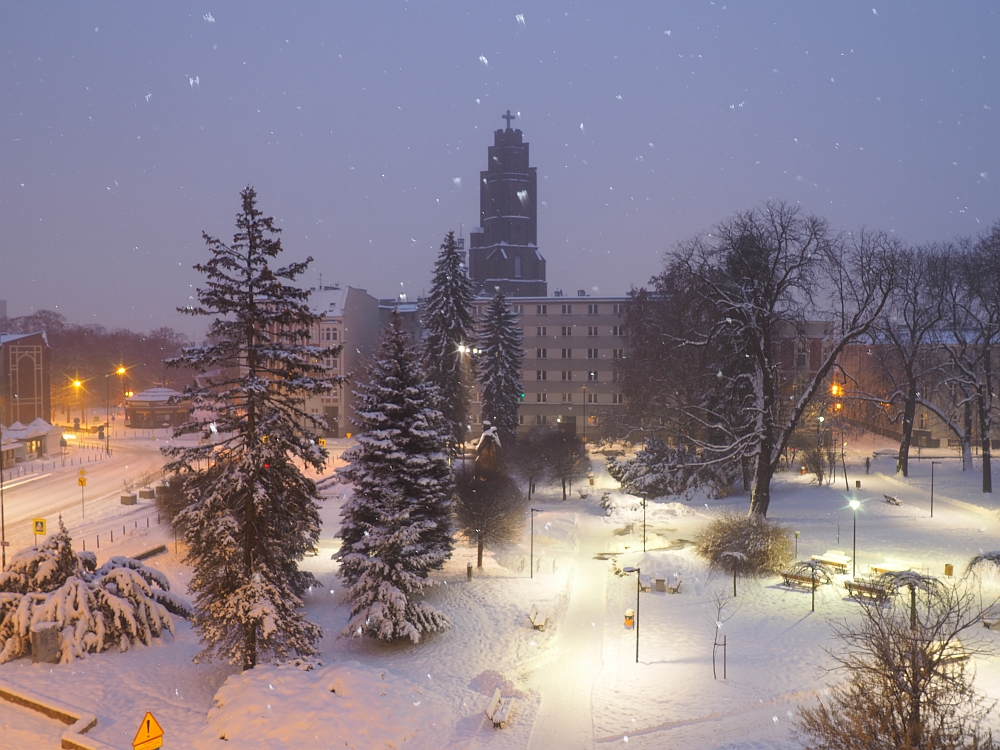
column 128, row 128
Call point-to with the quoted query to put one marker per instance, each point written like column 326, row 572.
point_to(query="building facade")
column 24, row 378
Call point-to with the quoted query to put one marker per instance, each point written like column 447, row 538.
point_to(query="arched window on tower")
column 517, row 266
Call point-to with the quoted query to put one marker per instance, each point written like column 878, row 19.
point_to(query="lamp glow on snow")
column 854, row 558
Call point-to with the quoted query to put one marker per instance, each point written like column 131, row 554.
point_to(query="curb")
column 80, row 722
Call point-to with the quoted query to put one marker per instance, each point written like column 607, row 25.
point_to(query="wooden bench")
column 866, row 589
column 584, row 494
column 892, row 500
column 800, row 579
column 894, row 566
column 834, row 560
column 538, row 619
column 991, row 624
column 498, row 709
column 673, row 583
column 645, row 583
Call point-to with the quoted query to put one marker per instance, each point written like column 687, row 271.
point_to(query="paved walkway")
column 565, row 719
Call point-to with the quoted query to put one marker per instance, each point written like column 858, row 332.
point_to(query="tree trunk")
column 760, row 497
column 984, row 428
column 480, row 561
column 909, row 410
column 967, row 437
column 564, row 488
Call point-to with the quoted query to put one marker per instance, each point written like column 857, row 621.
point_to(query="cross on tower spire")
column 508, row 117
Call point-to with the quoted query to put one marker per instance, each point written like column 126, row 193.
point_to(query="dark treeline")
column 91, row 352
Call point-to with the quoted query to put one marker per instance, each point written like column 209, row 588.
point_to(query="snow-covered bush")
column 745, row 545
column 658, row 470
column 95, row 609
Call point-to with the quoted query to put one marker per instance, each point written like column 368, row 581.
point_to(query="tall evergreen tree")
column 449, row 331
column 500, row 357
column 396, row 527
column 252, row 514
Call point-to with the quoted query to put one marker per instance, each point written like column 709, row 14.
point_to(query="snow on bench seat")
column 539, row 619
column 498, row 709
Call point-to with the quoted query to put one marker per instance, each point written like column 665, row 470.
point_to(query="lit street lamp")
column 533, row 512
column 638, row 584
column 933, row 463
column 854, row 558
column 107, row 407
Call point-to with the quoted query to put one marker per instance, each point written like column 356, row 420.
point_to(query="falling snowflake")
column 520, row 19
column 209, row 17
column 194, row 81
column 483, row 60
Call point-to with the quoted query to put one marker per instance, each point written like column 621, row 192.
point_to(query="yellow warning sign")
column 83, row 472
column 39, row 525
column 82, row 481
column 322, row 442
column 150, row 734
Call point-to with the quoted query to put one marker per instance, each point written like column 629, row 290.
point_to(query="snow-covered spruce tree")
column 449, row 331
column 659, row 469
column 118, row 604
column 397, row 525
column 500, row 356
column 252, row 515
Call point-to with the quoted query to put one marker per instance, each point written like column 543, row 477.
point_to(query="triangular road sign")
column 150, row 734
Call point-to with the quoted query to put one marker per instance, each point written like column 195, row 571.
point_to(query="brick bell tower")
column 503, row 250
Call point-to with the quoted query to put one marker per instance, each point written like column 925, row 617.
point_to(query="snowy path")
column 566, row 683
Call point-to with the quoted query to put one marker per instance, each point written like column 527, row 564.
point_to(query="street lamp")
column 638, row 584
column 933, row 463
column 77, row 384
column 854, row 558
column 107, row 407
column 533, row 512
column 584, row 414
column 3, row 527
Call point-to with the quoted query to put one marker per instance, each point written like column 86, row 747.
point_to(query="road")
column 55, row 490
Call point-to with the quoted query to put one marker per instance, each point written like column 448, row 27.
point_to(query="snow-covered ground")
column 577, row 683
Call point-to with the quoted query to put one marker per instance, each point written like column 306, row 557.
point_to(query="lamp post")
column 533, row 512
column 638, row 583
column 3, row 527
column 119, row 371
column 932, row 486
column 643, row 521
column 854, row 557
column 584, row 414
column 83, row 414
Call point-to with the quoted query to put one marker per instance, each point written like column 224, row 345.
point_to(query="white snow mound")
column 343, row 705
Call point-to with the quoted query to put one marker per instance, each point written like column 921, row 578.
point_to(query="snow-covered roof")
column 328, row 301
column 6, row 338
column 17, row 431
column 161, row 395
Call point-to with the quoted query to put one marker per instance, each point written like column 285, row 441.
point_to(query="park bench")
column 584, row 494
column 800, row 579
column 894, row 566
column 499, row 708
column 991, row 624
column 645, row 583
column 866, row 589
column 538, row 619
column 834, row 560
column 673, row 583
column 892, row 500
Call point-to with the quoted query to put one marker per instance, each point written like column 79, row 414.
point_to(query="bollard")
column 98, row 541
column 468, row 571
column 112, row 536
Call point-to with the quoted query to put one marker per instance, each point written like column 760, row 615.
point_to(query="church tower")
column 503, row 250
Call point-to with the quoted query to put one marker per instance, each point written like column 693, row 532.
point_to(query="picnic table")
column 836, row 560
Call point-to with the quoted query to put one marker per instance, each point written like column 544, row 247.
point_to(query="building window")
column 567, row 374
column 541, row 353
column 592, row 354
column 617, row 398
column 567, row 309
column 567, row 354
column 619, row 309
column 517, row 266
column 591, row 398
column 517, row 309
column 540, row 419
column 592, row 376
column 541, row 374
column 520, row 397
column 520, row 419
column 617, row 330
column 542, row 310
column 617, row 354
column 541, row 398
column 567, row 398
column 540, row 331
column 567, row 330
column 591, row 330
column 591, row 309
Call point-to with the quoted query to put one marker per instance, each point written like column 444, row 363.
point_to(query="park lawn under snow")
column 574, row 681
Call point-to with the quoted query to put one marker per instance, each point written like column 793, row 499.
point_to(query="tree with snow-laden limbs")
column 252, row 515
column 500, row 355
column 115, row 606
column 659, row 469
column 489, row 510
column 449, row 332
column 396, row 527
column 744, row 296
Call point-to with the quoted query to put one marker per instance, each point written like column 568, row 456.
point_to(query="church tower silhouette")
column 503, row 250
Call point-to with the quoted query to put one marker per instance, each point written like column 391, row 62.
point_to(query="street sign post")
column 38, row 526
column 82, row 481
column 150, row 734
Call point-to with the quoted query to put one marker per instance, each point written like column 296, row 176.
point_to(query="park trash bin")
column 803, row 471
column 629, row 618
column 661, row 585
column 468, row 570
column 949, row 569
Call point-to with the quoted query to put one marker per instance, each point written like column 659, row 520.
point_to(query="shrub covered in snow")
column 95, row 609
column 658, row 470
column 745, row 545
